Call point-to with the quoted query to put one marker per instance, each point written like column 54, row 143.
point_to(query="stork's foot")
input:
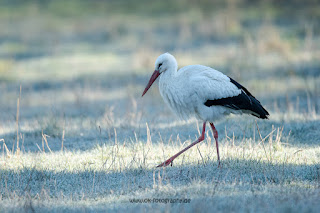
column 166, row 163
column 219, row 165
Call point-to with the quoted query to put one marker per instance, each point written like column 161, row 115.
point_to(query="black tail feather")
column 242, row 102
column 257, row 109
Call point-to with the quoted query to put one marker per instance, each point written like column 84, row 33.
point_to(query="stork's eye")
column 160, row 65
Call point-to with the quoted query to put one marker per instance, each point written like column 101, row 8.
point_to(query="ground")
column 76, row 135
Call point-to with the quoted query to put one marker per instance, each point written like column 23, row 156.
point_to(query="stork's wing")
column 217, row 89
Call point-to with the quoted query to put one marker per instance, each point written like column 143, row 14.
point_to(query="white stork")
column 203, row 92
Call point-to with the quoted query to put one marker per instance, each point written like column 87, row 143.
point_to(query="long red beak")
column 154, row 76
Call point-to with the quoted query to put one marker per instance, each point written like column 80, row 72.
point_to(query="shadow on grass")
column 89, row 183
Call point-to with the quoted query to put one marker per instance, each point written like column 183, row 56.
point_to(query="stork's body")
column 202, row 92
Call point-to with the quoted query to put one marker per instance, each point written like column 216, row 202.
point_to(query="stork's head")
column 163, row 63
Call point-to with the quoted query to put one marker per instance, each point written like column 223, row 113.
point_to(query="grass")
column 271, row 169
column 113, row 174
column 77, row 136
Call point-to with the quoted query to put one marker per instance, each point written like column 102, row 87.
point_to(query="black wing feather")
column 245, row 102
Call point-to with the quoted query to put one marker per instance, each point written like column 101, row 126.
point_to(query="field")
column 76, row 136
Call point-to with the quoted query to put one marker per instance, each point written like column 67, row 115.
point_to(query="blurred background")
column 84, row 64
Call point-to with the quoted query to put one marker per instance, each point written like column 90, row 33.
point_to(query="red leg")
column 170, row 160
column 215, row 135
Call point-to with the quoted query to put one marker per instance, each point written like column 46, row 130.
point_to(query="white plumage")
column 203, row 92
